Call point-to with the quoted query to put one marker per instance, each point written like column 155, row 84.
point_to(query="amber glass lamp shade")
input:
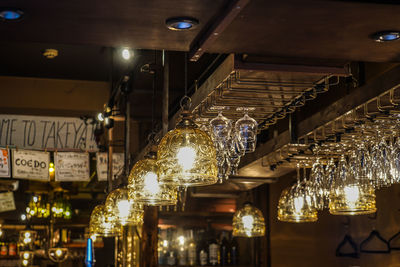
column 26, row 257
column 186, row 156
column 351, row 192
column 102, row 224
column 58, row 254
column 352, row 199
column 145, row 188
column 122, row 209
column 295, row 205
column 27, row 236
column 248, row 222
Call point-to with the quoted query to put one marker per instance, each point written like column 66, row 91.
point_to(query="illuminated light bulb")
column 67, row 213
column 298, row 204
column 27, row 240
column 151, row 184
column 23, row 217
column 28, row 209
column 25, row 255
column 93, row 237
column 51, row 167
column 25, row 262
column 32, row 212
column 352, row 194
column 35, row 199
column 100, row 117
column 165, row 243
column 126, row 54
column 27, row 235
column 58, row 252
column 248, row 222
column 186, row 157
column 181, row 240
column 1, row 232
column 53, row 209
column 124, row 209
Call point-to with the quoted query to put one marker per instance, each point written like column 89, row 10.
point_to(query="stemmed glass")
column 246, row 129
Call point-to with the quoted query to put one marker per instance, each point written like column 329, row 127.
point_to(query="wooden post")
column 149, row 257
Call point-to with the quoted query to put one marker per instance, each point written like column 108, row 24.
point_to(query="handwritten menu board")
column 7, row 202
column 102, row 165
column 29, row 164
column 37, row 132
column 72, row 166
column 4, row 163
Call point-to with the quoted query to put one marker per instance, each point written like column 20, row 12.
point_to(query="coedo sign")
column 28, row 164
column 34, row 132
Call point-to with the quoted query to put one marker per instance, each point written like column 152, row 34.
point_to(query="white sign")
column 72, row 166
column 29, row 164
column 34, row 132
column 4, row 162
column 7, row 202
column 102, row 165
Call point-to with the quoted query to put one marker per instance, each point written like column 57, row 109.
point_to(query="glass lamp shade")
column 122, row 209
column 296, row 205
column 248, row 222
column 102, row 223
column 58, row 254
column 351, row 194
column 186, row 156
column 144, row 186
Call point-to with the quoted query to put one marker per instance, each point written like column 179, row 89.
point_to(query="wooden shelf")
column 83, row 245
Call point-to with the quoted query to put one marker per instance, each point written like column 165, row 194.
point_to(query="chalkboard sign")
column 71, row 166
column 4, row 163
column 36, row 132
column 102, row 165
column 29, row 164
column 7, row 202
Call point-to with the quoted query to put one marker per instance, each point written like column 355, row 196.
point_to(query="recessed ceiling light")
column 10, row 14
column 386, row 36
column 181, row 23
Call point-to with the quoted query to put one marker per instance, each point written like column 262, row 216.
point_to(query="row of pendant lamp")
column 186, row 157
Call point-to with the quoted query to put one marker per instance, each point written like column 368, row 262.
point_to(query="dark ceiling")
column 290, row 29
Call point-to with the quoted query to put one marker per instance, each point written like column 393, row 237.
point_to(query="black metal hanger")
column 347, row 240
column 392, row 239
column 374, row 235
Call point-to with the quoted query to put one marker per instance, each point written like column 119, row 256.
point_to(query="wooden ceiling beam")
column 207, row 37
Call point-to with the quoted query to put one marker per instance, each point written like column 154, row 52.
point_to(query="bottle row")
column 197, row 247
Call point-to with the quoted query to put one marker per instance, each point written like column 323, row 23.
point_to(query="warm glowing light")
column 186, row 157
column 27, row 235
column 352, row 194
column 124, row 209
column 165, row 243
column 23, row 217
column 25, row 255
column 151, row 184
column 25, row 262
column 298, row 203
column 67, row 213
column 32, row 212
column 35, row 199
column 126, row 53
column 100, row 117
column 181, row 240
column 27, row 240
column 93, row 237
column 51, row 170
column 248, row 221
column 58, row 252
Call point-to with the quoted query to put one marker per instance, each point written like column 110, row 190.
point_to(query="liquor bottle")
column 203, row 248
column 234, row 252
column 213, row 250
column 171, row 254
column 181, row 248
column 191, row 249
column 225, row 250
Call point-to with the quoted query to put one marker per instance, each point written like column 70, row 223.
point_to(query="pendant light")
column 186, row 156
column 102, row 224
column 122, row 209
column 248, row 222
column 351, row 194
column 58, row 253
column 144, row 186
column 26, row 257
